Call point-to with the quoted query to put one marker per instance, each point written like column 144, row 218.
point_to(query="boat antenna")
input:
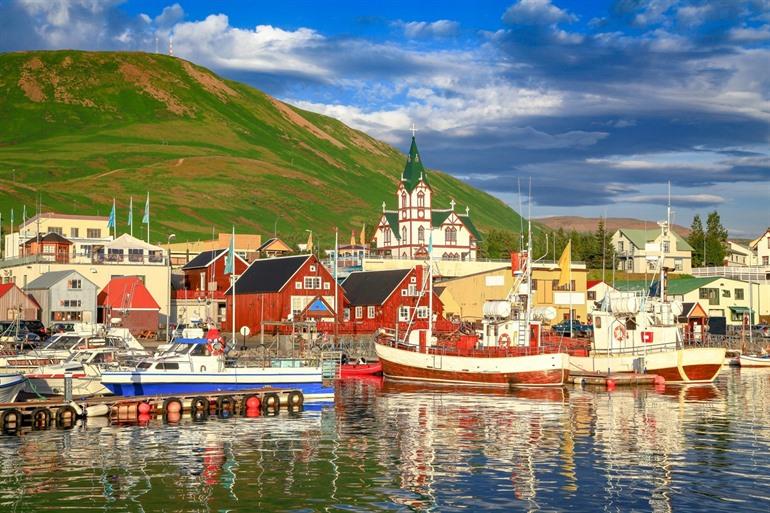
column 528, row 306
column 521, row 219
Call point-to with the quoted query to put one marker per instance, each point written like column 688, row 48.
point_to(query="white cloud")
column 679, row 199
column 660, row 165
column 536, row 12
column 424, row 29
column 750, row 35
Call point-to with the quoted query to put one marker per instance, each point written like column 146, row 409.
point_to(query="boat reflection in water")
column 406, row 446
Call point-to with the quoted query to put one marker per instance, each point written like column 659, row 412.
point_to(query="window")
column 74, row 284
column 359, row 312
column 534, row 284
column 403, row 235
column 49, row 249
column 346, row 314
column 167, row 366
column 620, row 246
column 412, row 290
column 420, row 199
column 327, row 285
column 764, row 260
column 313, row 282
column 555, row 285
column 404, row 292
column 678, row 265
column 403, row 314
column 312, row 268
column 298, row 285
column 451, row 235
column 386, row 235
column 370, row 312
column 71, row 303
column 651, row 265
column 403, row 200
column 591, row 295
column 298, row 303
column 422, row 312
column 86, row 250
column 74, row 232
column 94, row 233
column 135, row 255
column 738, row 293
column 711, row 294
column 666, row 246
column 768, row 243
column 725, row 293
column 421, row 235
column 56, row 229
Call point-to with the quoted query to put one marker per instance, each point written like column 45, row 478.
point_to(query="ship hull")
column 504, row 371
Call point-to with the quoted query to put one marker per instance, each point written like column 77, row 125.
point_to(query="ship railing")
column 473, row 352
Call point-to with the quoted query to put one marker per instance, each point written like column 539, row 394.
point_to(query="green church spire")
column 414, row 170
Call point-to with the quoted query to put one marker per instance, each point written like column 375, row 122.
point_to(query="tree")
column 498, row 244
column 716, row 240
column 696, row 239
column 602, row 251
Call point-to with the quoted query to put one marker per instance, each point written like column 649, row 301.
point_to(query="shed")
column 125, row 301
column 15, row 304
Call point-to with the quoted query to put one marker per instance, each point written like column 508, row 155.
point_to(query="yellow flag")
column 565, row 261
column 363, row 235
column 352, row 237
column 310, row 242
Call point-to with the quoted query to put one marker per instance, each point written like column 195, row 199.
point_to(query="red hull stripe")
column 550, row 377
column 703, row 373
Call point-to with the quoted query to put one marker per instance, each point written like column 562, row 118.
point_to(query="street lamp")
column 171, row 237
column 311, row 240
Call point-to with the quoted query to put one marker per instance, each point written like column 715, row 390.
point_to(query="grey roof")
column 372, row 287
column 49, row 279
column 203, row 259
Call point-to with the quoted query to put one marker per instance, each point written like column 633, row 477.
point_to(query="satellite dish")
column 245, row 331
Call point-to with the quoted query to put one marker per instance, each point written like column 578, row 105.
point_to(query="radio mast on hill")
column 171, row 45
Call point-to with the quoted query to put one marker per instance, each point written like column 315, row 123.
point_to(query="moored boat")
column 84, row 369
column 745, row 360
column 355, row 370
column 10, row 386
column 199, row 365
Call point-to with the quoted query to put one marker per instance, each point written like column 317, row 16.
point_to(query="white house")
column 415, row 227
column 738, row 255
column 638, row 251
column 761, row 248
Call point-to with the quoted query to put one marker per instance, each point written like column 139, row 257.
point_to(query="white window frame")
column 359, row 312
column 298, row 285
column 346, row 314
column 404, row 292
column 312, row 283
column 327, row 285
column 403, row 314
column 422, row 312
column 370, row 312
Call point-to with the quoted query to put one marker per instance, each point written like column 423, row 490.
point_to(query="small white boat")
column 84, row 367
column 745, row 360
column 10, row 386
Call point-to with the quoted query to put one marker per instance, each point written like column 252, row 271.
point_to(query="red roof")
column 5, row 287
column 592, row 283
column 117, row 289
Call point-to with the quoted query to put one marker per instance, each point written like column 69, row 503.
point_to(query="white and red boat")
column 745, row 360
column 639, row 332
column 507, row 351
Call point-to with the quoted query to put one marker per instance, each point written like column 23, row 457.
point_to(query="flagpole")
column 336, row 283
column 131, row 215
column 569, row 288
column 148, row 218
column 232, row 277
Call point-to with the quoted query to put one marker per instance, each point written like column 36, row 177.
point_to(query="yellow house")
column 84, row 232
column 464, row 297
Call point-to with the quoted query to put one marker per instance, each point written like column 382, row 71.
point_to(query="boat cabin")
column 188, row 355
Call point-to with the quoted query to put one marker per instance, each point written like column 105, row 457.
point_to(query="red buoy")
column 610, row 384
column 144, row 418
column 252, row 403
column 144, row 408
column 660, row 380
column 252, row 412
column 174, row 407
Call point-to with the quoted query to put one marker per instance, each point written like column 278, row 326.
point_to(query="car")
column 578, row 328
column 761, row 330
column 36, row 327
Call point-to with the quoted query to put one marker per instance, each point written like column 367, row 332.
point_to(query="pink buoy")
column 610, row 384
column 252, row 403
column 660, row 380
column 144, row 418
column 173, row 418
column 144, row 408
column 173, row 407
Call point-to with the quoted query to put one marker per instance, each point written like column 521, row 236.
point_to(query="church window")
column 451, row 235
column 420, row 199
column 403, row 235
column 421, row 214
column 403, row 200
column 421, row 235
column 387, row 235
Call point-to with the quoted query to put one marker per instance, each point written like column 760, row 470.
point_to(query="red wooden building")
column 386, row 299
column 15, row 304
column 126, row 302
column 206, row 272
column 281, row 289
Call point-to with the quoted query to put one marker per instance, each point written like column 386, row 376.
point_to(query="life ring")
column 619, row 332
column 216, row 347
column 504, row 340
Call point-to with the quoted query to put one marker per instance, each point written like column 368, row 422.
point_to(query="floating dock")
column 64, row 414
column 611, row 380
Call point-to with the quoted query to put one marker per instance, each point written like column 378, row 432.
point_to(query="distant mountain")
column 589, row 224
column 81, row 128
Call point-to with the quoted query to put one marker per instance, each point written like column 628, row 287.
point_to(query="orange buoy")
column 144, row 418
column 173, row 417
column 660, row 380
column 610, row 384
column 252, row 412
column 144, row 408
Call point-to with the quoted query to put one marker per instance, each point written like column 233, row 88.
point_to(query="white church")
column 411, row 230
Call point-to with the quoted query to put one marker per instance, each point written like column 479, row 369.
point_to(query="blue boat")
column 198, row 365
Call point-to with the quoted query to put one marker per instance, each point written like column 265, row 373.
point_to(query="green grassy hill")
column 79, row 128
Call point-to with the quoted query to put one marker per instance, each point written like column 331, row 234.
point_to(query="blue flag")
column 111, row 221
column 430, row 244
column 146, row 216
column 131, row 212
column 230, row 258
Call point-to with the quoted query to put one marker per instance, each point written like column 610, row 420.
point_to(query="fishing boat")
column 638, row 332
column 194, row 365
column 507, row 351
column 745, row 360
column 10, row 386
column 84, row 367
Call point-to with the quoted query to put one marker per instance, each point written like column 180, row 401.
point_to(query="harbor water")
column 396, row 447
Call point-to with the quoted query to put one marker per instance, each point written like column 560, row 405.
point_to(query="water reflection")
column 405, row 447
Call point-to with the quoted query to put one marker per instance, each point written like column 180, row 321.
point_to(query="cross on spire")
column 413, row 130
column 452, row 204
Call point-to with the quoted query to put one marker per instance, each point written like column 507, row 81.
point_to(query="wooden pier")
column 43, row 414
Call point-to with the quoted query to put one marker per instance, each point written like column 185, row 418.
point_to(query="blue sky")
column 600, row 103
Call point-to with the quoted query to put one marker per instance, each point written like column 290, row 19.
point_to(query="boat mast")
column 528, row 274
